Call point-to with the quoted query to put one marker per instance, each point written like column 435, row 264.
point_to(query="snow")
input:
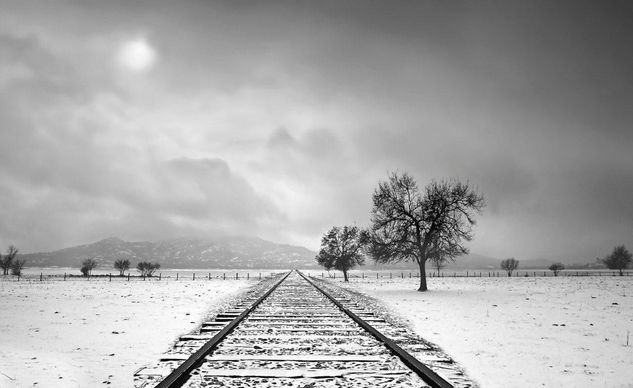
column 80, row 333
column 522, row 332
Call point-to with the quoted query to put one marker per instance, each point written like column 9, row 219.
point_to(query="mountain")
column 231, row 252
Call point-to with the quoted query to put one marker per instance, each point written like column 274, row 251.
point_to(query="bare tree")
column 122, row 265
column 619, row 259
column 7, row 260
column 17, row 266
column 147, row 269
column 556, row 268
column 509, row 265
column 409, row 226
column 87, row 266
column 342, row 249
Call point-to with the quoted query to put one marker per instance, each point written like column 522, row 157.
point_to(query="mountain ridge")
column 181, row 252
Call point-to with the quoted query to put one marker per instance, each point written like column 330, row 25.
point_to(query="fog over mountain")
column 231, row 253
column 220, row 253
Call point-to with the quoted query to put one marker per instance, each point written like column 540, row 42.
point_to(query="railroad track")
column 294, row 333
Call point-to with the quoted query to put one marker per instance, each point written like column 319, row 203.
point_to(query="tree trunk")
column 421, row 263
column 345, row 276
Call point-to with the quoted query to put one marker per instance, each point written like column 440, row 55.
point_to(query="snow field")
column 82, row 333
column 522, row 332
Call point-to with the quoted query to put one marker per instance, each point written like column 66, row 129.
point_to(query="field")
column 80, row 333
column 522, row 332
column 519, row 332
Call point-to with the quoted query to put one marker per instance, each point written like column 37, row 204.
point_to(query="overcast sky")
column 277, row 119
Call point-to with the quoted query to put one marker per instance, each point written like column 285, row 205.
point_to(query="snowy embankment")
column 522, row 332
column 88, row 333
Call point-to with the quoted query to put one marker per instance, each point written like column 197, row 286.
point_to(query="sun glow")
column 137, row 55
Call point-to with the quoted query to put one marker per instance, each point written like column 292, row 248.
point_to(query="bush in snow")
column 509, row 265
column 87, row 266
column 619, row 259
column 122, row 265
column 146, row 268
column 16, row 267
column 7, row 261
column 556, row 268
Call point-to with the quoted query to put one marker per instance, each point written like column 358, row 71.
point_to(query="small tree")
column 87, row 266
column 7, row 260
column 619, row 259
column 509, row 265
column 342, row 249
column 556, row 268
column 16, row 267
column 122, row 265
column 147, row 269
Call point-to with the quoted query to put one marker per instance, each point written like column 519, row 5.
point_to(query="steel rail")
column 429, row 377
column 181, row 374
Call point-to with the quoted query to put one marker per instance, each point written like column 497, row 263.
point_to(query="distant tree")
column 411, row 226
column 509, row 265
column 147, row 269
column 556, row 268
column 122, row 265
column 87, row 266
column 619, row 259
column 7, row 260
column 342, row 249
column 16, row 267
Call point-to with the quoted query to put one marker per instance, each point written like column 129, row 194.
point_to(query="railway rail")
column 295, row 333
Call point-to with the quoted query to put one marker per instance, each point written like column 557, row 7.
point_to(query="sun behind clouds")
column 136, row 55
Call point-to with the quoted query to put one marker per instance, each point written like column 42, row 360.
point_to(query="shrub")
column 509, row 265
column 147, row 269
column 87, row 266
column 122, row 265
column 16, row 267
column 556, row 268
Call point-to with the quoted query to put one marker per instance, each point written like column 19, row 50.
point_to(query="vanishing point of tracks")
column 295, row 334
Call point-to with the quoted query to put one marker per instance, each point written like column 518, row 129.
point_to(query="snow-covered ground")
column 522, row 332
column 81, row 333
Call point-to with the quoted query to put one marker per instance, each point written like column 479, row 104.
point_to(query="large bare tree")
column 342, row 249
column 408, row 225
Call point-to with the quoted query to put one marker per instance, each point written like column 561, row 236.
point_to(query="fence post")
column 64, row 276
column 237, row 276
column 194, row 276
column 128, row 276
column 110, row 277
column 376, row 275
column 209, row 275
column 248, row 275
column 41, row 276
column 160, row 276
column 176, row 275
column 223, row 275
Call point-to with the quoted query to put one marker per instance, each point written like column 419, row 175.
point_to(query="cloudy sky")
column 150, row 120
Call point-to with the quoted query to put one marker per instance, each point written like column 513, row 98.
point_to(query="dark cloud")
column 279, row 118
